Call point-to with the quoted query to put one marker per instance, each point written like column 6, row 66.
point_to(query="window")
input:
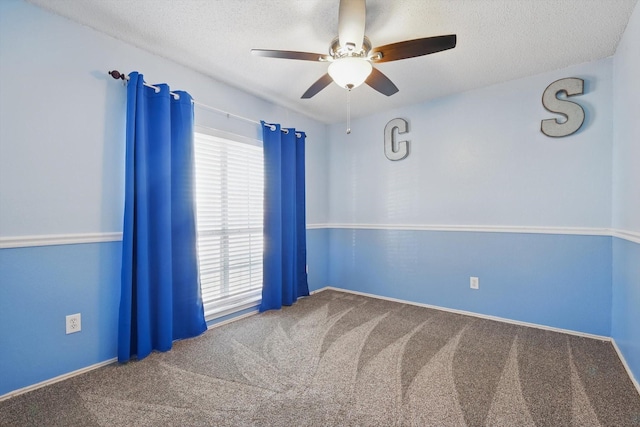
column 229, row 200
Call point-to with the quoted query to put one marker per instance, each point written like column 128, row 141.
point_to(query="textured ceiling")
column 498, row 40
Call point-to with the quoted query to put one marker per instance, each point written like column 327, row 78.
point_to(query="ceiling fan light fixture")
column 350, row 71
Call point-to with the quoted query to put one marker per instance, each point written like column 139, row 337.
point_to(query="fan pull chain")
column 348, row 111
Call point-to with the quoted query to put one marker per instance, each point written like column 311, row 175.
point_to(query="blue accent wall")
column 562, row 281
column 626, row 301
column 626, row 194
column 318, row 258
column 39, row 286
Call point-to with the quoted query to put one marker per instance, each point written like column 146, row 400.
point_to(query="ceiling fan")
column 351, row 55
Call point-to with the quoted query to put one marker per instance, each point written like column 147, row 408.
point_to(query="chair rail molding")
column 58, row 239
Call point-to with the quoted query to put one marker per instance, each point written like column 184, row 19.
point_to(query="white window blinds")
column 229, row 199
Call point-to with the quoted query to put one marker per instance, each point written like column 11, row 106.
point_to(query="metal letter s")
column 572, row 111
column 392, row 149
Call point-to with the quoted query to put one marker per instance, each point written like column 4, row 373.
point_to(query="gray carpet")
column 337, row 359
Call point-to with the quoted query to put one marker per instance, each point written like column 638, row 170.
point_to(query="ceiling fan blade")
column 381, row 83
column 413, row 48
column 289, row 54
column 351, row 22
column 320, row 84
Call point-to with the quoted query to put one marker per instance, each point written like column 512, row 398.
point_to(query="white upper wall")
column 479, row 158
column 63, row 119
column 626, row 133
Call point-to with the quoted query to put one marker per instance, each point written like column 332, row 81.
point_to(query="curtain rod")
column 118, row 75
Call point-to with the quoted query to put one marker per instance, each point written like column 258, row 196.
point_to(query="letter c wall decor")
column 395, row 150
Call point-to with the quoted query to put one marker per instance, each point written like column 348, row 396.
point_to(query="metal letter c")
column 392, row 149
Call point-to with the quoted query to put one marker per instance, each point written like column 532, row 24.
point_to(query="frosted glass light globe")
column 350, row 72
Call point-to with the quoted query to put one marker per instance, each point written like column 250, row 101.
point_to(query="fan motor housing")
column 336, row 51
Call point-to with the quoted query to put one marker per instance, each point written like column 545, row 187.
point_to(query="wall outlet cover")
column 74, row 323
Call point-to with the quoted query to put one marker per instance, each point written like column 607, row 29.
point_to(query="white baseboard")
column 626, row 366
column 471, row 313
column 56, row 379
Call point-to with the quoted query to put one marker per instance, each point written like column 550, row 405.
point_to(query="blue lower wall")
column 562, row 281
column 318, row 258
column 625, row 326
column 39, row 286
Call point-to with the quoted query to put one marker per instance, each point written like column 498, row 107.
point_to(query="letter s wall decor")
column 572, row 111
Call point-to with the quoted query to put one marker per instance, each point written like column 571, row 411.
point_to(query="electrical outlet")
column 74, row 323
column 474, row 283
